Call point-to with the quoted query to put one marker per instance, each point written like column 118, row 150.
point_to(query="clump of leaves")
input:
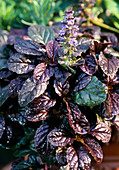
column 63, row 100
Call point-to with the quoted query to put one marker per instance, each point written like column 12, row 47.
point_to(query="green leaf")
column 30, row 91
column 113, row 7
column 93, row 94
column 41, row 34
column 4, row 94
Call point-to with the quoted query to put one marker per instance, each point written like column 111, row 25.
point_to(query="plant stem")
column 104, row 25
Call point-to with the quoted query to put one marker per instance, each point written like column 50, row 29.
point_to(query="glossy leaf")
column 109, row 65
column 20, row 64
column 38, row 109
column 93, row 94
column 84, row 159
column 52, row 49
column 36, row 117
column 4, row 94
column 90, row 65
column 94, row 149
column 82, row 81
column 41, row 142
column 83, row 45
column 60, row 81
column 58, row 138
column 42, row 73
column 102, row 132
column 77, row 120
column 72, row 158
column 112, row 104
column 28, row 47
column 41, row 34
column 2, row 125
column 61, row 156
column 112, row 52
column 30, row 91
column 44, row 102
column 115, row 121
column 14, row 87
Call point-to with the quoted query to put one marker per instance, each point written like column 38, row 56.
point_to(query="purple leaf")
column 42, row 73
column 112, row 104
column 102, row 132
column 94, row 149
column 60, row 83
column 41, row 142
column 41, row 115
column 82, row 81
column 58, row 138
column 28, row 47
column 38, row 108
column 115, row 122
column 52, row 49
column 20, row 64
column 84, row 159
column 109, row 65
column 14, row 87
column 77, row 120
column 90, row 65
column 72, row 158
column 30, row 91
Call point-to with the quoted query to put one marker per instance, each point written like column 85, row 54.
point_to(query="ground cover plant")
column 59, row 95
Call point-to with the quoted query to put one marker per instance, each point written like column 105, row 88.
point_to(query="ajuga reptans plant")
column 59, row 94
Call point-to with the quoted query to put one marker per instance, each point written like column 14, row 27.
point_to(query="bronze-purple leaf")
column 14, row 87
column 61, row 156
column 38, row 109
column 109, row 65
column 115, row 122
column 42, row 73
column 82, row 81
column 77, row 120
column 72, row 158
column 41, row 142
column 44, row 102
column 20, row 64
column 58, row 138
column 2, row 125
column 30, row 91
column 90, row 65
column 84, row 159
column 102, row 132
column 112, row 104
column 94, row 149
column 60, row 83
column 36, row 117
column 28, row 47
column 52, row 49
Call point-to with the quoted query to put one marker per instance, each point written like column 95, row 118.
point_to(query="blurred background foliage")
column 16, row 14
